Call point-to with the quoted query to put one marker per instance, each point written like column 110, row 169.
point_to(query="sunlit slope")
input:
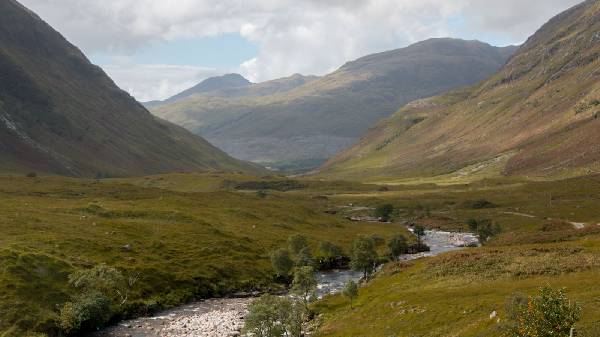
column 540, row 110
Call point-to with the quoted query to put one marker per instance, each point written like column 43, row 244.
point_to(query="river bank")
column 225, row 317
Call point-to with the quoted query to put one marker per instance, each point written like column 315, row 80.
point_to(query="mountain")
column 60, row 114
column 212, row 84
column 537, row 116
column 312, row 118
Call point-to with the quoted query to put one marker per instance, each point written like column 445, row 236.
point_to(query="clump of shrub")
column 484, row 228
column 261, row 194
column 86, row 312
column 586, row 105
column 272, row 316
column 384, row 212
column 31, row 175
column 480, row 204
column 101, row 289
column 280, row 185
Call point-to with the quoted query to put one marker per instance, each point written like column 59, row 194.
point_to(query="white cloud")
column 306, row 36
column 148, row 82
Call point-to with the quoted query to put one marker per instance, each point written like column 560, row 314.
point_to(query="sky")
column 156, row 48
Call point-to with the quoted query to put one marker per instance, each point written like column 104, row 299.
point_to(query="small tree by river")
column 329, row 253
column 296, row 243
column 304, row 284
column 272, row 316
column 419, row 231
column 364, row 256
column 282, row 262
column 397, row 246
column 351, row 291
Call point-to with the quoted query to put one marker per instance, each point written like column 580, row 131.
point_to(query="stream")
column 225, row 317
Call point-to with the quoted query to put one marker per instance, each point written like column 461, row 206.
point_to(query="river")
column 225, row 317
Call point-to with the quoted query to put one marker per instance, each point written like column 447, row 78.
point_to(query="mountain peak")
column 211, row 84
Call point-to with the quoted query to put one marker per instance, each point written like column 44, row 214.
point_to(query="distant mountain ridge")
column 539, row 115
column 212, row 84
column 312, row 118
column 60, row 114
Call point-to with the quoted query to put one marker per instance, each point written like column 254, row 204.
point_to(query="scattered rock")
column 127, row 247
column 493, row 315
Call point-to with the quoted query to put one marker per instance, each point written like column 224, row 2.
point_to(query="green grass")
column 195, row 235
column 454, row 294
column 185, row 245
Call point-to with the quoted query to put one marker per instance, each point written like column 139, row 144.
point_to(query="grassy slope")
column 454, row 294
column 538, row 111
column 203, row 242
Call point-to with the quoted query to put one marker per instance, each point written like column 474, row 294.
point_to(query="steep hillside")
column 60, row 114
column 303, row 126
column 537, row 116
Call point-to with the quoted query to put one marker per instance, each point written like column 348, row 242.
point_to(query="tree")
column 282, row 262
column 304, row 257
column 272, row 316
column 549, row 314
column 296, row 242
column 304, row 284
column 364, row 255
column 351, row 291
column 384, row 211
column 329, row 252
column 419, row 231
column 397, row 246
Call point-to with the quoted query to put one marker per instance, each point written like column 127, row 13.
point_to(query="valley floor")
column 194, row 236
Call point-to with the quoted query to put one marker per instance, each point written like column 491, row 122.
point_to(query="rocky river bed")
column 225, row 317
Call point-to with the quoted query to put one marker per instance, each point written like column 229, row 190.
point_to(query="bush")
column 484, row 228
column 481, row 204
column 31, row 175
column 549, row 314
column 88, row 312
column 419, row 231
column 281, row 185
